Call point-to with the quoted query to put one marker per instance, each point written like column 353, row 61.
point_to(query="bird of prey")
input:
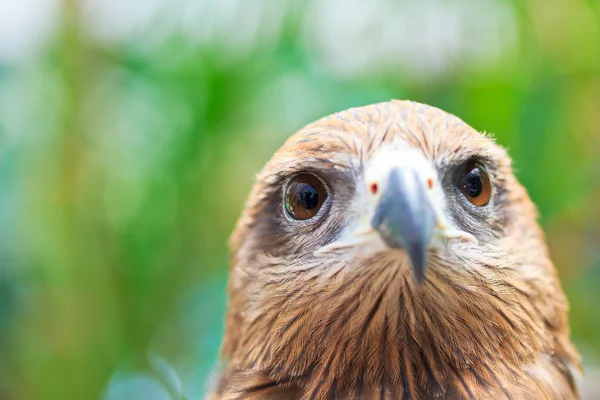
column 389, row 252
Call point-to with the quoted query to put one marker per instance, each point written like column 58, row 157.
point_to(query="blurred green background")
column 130, row 132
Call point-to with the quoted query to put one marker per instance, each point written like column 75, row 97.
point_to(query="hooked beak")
column 405, row 217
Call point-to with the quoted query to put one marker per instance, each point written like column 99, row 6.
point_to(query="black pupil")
column 473, row 184
column 308, row 197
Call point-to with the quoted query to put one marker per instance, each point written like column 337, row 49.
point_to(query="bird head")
column 392, row 244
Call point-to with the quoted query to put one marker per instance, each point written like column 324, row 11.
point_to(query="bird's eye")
column 475, row 185
column 304, row 196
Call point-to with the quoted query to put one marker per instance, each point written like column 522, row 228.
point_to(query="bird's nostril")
column 374, row 188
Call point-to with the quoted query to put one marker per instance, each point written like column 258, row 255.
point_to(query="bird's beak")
column 405, row 217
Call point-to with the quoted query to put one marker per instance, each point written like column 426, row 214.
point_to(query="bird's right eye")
column 475, row 185
column 304, row 196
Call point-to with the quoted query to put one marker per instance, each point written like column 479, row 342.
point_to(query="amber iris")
column 475, row 185
column 304, row 196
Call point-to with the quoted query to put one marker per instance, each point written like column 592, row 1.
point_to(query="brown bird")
column 388, row 252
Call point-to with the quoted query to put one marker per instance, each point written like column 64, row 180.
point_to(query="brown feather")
column 487, row 323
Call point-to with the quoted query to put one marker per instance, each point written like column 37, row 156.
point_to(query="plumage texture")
column 488, row 322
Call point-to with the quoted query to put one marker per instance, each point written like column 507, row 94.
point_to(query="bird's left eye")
column 475, row 185
column 304, row 196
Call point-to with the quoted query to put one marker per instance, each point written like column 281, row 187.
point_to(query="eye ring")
column 475, row 184
column 304, row 196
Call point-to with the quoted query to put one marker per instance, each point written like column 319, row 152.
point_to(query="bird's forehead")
column 352, row 137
